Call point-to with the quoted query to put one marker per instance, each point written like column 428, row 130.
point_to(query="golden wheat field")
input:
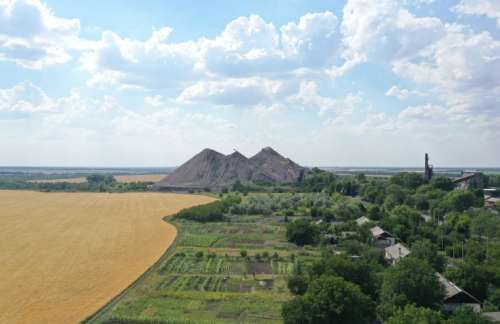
column 64, row 255
column 119, row 178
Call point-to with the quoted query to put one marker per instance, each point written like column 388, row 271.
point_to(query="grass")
column 206, row 280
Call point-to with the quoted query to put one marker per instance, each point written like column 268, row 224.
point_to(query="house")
column 396, row 252
column 456, row 297
column 469, row 179
column 491, row 202
column 427, row 217
column 362, row 220
column 330, row 238
column 382, row 238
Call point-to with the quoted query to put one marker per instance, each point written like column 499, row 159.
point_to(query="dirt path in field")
column 64, row 255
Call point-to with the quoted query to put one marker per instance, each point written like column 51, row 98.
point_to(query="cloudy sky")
column 329, row 83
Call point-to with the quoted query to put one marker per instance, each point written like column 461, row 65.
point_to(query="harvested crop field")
column 119, row 178
column 64, row 255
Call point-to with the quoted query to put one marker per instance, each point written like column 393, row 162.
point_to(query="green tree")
column 329, row 299
column 472, row 277
column 410, row 281
column 442, row 183
column 465, row 315
column 403, row 222
column 416, row 315
column 460, row 200
column 374, row 212
column 302, row 232
column 410, row 180
column 297, row 284
column 428, row 251
column 360, row 272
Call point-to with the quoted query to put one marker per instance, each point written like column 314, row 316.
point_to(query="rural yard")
column 64, row 255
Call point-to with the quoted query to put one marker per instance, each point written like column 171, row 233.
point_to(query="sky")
column 325, row 83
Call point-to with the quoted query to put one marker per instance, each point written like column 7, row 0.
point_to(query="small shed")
column 396, row 252
column 362, row 220
column 492, row 316
column 381, row 237
column 456, row 297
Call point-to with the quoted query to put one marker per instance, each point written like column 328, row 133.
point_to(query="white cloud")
column 401, row 93
column 313, row 41
column 241, row 92
column 155, row 101
column 424, row 112
column 309, row 97
column 248, row 47
column 153, row 63
column 488, row 8
column 32, row 36
column 25, row 97
column 459, row 66
column 382, row 31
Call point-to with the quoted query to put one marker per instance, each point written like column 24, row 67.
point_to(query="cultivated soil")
column 64, row 255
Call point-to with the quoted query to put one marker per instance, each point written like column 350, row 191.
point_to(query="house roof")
column 362, row 220
column 452, row 291
column 466, row 177
column 397, row 251
column 377, row 231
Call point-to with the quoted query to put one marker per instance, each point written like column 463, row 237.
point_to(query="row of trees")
column 93, row 183
column 211, row 212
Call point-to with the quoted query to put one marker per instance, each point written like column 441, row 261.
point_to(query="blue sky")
column 330, row 83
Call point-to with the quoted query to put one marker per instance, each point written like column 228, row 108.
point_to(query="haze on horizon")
column 325, row 83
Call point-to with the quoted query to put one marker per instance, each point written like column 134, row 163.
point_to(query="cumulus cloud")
column 460, row 67
column 423, row 112
column 401, row 93
column 309, row 97
column 488, row 8
column 32, row 36
column 241, row 92
column 381, row 31
column 25, row 97
column 248, row 47
column 155, row 101
column 153, row 63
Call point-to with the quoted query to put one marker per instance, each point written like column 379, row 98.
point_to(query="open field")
column 64, row 255
column 119, row 178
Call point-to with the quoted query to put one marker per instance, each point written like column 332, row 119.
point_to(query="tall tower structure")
column 428, row 168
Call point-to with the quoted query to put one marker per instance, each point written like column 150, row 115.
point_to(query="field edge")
column 103, row 311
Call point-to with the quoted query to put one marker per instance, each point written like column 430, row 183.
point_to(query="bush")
column 243, row 253
column 302, row 232
column 212, row 212
column 416, row 315
column 199, row 254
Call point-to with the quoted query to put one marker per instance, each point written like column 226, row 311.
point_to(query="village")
column 394, row 249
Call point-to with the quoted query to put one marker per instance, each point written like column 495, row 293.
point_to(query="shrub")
column 302, row 232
